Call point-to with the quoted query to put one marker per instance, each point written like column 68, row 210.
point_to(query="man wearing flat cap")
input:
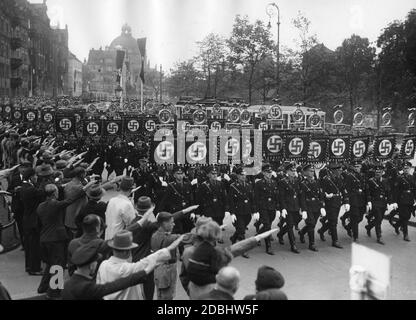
column 404, row 195
column 336, row 195
column 289, row 191
column 266, row 197
column 312, row 205
column 241, row 205
column 212, row 197
column 380, row 197
column 178, row 196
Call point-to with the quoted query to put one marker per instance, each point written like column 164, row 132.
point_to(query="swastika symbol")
column 31, row 116
column 112, row 128
column 65, row 124
column 408, row 150
column 92, row 128
column 274, row 144
column 232, row 147
column 358, row 149
column 47, row 117
column 133, row 125
column 263, row 126
column 215, row 126
column 338, row 147
column 197, row 151
column 385, row 148
column 17, row 115
column 165, row 150
column 315, row 150
column 275, row 112
column 150, row 125
column 296, row 146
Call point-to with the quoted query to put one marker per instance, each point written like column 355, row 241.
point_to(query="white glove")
column 304, row 215
column 347, row 207
column 329, row 196
column 227, row 177
column 284, row 213
column 401, row 172
column 194, row 182
column 129, row 168
column 105, row 164
column 323, row 212
column 219, row 179
column 369, row 206
column 274, row 174
column 233, row 218
column 125, row 160
column 278, row 214
column 395, row 206
column 193, row 216
column 256, row 216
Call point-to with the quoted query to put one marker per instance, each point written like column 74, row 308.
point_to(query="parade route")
column 323, row 275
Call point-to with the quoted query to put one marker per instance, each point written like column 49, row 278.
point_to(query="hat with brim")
column 44, row 170
column 122, row 240
column 143, row 204
column 61, row 164
column 95, row 193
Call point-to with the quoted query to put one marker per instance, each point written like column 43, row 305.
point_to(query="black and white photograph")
column 207, row 150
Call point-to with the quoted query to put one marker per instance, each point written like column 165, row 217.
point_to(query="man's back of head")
column 228, row 279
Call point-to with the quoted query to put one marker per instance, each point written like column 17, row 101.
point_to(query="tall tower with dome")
column 101, row 66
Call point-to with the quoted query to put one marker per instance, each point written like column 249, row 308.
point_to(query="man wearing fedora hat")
column 120, row 265
column 82, row 284
column 143, row 227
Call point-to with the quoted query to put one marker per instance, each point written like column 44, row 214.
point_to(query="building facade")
column 74, row 76
column 33, row 56
column 102, row 72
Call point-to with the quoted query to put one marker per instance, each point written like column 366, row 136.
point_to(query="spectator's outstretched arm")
column 240, row 247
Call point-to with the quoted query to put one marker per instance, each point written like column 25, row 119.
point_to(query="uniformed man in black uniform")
column 97, row 150
column 379, row 196
column 266, row 197
column 241, row 205
column 117, row 157
column 356, row 187
column 335, row 196
column 289, row 192
column 311, row 202
column 211, row 197
column 142, row 176
column 405, row 196
column 178, row 196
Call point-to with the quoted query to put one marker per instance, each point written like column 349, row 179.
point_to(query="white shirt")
column 116, row 268
column 119, row 214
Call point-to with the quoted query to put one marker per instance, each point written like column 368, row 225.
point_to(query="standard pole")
column 141, row 94
column 160, row 85
column 278, row 51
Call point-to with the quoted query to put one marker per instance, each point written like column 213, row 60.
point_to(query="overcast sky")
column 173, row 26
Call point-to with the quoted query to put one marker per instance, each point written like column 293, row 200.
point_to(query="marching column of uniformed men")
column 340, row 192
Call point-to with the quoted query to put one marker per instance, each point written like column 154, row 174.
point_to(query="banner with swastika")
column 273, row 145
column 359, row 147
column 17, row 115
column 113, row 127
column 47, row 115
column 296, row 146
column 339, row 147
column 65, row 123
column 162, row 150
column 384, row 146
column 93, row 127
column 407, row 151
column 196, row 149
column 132, row 126
column 318, row 149
column 30, row 115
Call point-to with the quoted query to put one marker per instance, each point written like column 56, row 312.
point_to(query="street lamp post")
column 271, row 10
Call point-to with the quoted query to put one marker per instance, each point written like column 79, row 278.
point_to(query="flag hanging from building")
column 120, row 59
column 142, row 47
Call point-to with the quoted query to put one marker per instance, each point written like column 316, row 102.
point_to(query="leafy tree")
column 185, row 80
column 249, row 44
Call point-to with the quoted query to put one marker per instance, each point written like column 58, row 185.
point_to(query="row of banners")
column 276, row 146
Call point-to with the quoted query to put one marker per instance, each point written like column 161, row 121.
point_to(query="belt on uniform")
column 246, row 201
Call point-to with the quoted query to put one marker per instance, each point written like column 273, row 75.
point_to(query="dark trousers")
column 356, row 216
column 405, row 212
column 292, row 219
column 98, row 168
column 331, row 223
column 377, row 213
column 240, row 226
column 53, row 253
column 32, row 250
column 149, row 286
column 266, row 219
column 309, row 228
column 19, row 223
